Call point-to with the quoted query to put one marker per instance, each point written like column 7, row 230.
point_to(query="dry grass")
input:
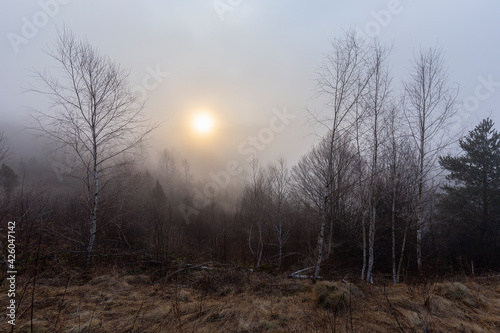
column 232, row 300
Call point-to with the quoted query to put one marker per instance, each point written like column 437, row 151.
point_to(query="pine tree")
column 472, row 197
column 8, row 180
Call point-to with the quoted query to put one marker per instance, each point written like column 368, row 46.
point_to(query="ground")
column 231, row 299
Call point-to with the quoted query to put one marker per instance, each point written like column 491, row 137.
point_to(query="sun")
column 203, row 123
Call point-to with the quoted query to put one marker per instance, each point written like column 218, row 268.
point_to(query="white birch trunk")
column 321, row 235
column 93, row 218
column 393, row 233
column 363, row 270
column 419, row 207
column 321, row 240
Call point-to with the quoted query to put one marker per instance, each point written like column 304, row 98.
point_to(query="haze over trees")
column 5, row 149
column 94, row 115
column 376, row 194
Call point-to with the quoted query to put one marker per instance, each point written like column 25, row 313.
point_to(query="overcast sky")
column 245, row 60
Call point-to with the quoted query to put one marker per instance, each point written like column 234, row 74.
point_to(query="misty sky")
column 244, row 61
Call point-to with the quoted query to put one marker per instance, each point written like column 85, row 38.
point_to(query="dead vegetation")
column 231, row 299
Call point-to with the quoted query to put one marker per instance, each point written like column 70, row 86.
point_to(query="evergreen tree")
column 471, row 201
column 8, row 180
column 158, row 194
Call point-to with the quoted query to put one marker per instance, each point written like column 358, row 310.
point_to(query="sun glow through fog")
column 203, row 123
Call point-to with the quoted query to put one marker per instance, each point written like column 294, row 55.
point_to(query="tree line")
column 379, row 192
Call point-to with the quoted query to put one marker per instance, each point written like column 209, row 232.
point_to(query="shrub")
column 331, row 296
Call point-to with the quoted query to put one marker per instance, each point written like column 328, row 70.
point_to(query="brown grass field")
column 228, row 299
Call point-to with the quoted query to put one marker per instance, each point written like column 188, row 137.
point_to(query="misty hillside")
column 249, row 166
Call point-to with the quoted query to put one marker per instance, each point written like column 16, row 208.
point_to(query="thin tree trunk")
column 261, row 247
column 324, row 218
column 280, row 231
column 93, row 222
column 330, row 239
column 419, row 209
column 329, row 207
column 280, row 244
column 371, row 246
column 321, row 240
column 363, row 270
column 393, row 231
column 394, row 170
column 373, row 199
column 400, row 264
column 250, row 242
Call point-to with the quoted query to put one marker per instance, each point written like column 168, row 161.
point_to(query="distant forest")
column 389, row 191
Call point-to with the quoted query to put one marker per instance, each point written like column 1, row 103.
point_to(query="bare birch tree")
column 377, row 102
column 361, row 191
column 429, row 105
column 311, row 173
column 400, row 179
column 254, row 205
column 342, row 81
column 280, row 187
column 93, row 113
column 394, row 161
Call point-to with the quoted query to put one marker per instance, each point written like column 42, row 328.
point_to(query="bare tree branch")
column 93, row 114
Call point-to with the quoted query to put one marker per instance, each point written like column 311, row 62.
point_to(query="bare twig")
column 190, row 267
column 392, row 310
column 34, row 282
column 92, row 316
column 137, row 315
column 61, row 304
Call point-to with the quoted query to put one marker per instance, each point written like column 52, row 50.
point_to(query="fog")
column 243, row 61
column 181, row 165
